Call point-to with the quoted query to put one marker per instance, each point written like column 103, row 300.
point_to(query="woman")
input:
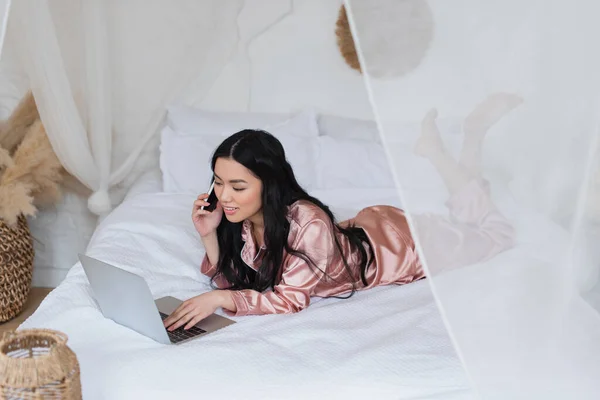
column 278, row 246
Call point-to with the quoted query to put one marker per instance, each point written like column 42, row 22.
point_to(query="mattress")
column 386, row 343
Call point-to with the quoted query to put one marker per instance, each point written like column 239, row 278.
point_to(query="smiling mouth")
column 230, row 209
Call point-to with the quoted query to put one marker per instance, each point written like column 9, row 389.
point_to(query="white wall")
column 288, row 59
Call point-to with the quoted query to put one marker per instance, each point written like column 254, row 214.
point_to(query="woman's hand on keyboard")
column 194, row 310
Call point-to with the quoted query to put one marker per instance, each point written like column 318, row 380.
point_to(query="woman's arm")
column 292, row 293
column 206, row 224
column 211, row 246
column 211, row 258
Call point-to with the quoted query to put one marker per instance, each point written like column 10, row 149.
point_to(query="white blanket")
column 388, row 342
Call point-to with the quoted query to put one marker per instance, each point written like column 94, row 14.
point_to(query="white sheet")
column 387, row 342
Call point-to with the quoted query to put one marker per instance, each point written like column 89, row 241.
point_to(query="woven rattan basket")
column 16, row 266
column 37, row 364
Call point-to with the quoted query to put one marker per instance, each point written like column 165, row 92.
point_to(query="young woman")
column 270, row 246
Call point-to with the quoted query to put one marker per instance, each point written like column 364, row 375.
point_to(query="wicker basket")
column 37, row 364
column 16, row 266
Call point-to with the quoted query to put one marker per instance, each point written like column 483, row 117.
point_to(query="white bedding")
column 386, row 343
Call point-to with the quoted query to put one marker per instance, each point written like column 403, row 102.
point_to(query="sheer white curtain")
column 102, row 73
column 520, row 84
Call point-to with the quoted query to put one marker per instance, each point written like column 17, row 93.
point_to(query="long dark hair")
column 264, row 156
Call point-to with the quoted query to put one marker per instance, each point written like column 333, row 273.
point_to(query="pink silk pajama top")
column 395, row 259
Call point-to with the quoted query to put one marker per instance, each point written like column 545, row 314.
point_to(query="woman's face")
column 238, row 191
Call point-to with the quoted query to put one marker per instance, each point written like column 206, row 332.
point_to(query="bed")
column 389, row 342
column 385, row 343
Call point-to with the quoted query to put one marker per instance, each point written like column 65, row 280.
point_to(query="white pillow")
column 195, row 121
column 348, row 163
column 185, row 158
column 348, row 128
column 148, row 182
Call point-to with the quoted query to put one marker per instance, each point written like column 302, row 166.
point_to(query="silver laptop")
column 125, row 298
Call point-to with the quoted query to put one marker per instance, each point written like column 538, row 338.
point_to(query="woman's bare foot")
column 429, row 144
column 490, row 111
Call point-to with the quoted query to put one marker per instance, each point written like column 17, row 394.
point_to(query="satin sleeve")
column 209, row 270
column 298, row 279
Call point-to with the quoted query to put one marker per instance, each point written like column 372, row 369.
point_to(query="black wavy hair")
column 263, row 154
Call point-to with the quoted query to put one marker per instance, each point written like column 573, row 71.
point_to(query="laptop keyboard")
column 181, row 334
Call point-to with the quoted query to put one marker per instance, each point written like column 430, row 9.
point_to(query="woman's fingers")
column 190, row 317
column 171, row 318
column 199, row 317
column 203, row 196
column 179, row 312
column 180, row 321
column 199, row 203
column 201, row 212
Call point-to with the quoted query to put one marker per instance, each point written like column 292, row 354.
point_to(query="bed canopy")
column 526, row 325
column 102, row 92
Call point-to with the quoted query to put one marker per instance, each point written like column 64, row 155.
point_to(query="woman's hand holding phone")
column 206, row 222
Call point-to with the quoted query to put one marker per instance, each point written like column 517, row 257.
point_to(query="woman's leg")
column 476, row 125
column 475, row 231
column 430, row 146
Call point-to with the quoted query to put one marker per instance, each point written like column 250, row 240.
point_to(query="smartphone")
column 212, row 198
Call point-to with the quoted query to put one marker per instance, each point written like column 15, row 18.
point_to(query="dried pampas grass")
column 36, row 164
column 5, row 159
column 30, row 176
column 14, row 201
column 15, row 128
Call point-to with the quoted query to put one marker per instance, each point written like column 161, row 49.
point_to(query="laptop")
column 125, row 298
